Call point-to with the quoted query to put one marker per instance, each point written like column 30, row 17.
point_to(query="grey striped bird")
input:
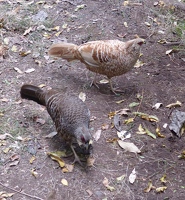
column 70, row 115
column 107, row 57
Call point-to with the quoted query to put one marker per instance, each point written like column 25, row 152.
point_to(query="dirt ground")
column 159, row 80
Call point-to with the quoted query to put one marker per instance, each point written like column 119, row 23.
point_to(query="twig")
column 139, row 105
column 28, row 195
column 172, row 43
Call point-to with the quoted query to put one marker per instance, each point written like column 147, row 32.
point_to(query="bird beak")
column 142, row 42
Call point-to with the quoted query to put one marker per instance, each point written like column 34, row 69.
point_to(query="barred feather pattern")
column 70, row 115
column 107, row 57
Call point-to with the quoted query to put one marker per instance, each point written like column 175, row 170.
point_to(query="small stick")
column 28, row 195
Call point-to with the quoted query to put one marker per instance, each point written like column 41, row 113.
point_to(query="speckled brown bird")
column 107, row 57
column 70, row 115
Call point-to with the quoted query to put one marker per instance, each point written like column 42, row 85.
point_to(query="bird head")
column 84, row 139
column 134, row 45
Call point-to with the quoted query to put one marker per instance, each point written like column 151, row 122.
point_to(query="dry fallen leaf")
column 149, row 187
column 163, row 179
column 128, row 121
column 161, row 189
column 159, row 133
column 26, row 32
column 68, row 168
column 120, row 178
column 169, row 51
column 104, row 81
column 106, row 184
column 18, row 70
column 24, row 53
column 34, row 173
column 97, row 135
column 14, row 163
column 32, row 159
column 120, row 101
column 30, row 70
column 104, row 126
column 82, row 96
column 55, row 156
column 90, row 161
column 51, row 135
column 132, row 176
column 3, row 136
column 89, row 192
column 128, row 146
column 157, row 106
column 178, row 103
column 64, row 182
column 4, row 195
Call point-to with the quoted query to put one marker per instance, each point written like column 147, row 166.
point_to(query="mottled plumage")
column 68, row 112
column 108, row 57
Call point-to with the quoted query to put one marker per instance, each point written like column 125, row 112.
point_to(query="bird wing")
column 88, row 51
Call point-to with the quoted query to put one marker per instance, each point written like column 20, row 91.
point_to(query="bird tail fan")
column 64, row 50
column 33, row 93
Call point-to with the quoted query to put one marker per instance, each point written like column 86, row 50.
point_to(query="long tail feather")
column 33, row 93
column 64, row 50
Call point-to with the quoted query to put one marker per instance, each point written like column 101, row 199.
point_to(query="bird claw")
column 77, row 160
column 94, row 83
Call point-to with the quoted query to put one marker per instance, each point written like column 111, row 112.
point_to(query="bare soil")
column 159, row 80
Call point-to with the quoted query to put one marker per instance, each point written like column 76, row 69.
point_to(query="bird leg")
column 77, row 159
column 111, row 87
column 94, row 82
column 114, row 90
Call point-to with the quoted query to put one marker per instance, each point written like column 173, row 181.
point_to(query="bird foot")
column 116, row 91
column 94, row 83
column 77, row 159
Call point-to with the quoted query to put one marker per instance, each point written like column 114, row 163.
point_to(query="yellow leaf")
column 106, row 184
column 111, row 114
column 178, row 103
column 6, row 150
column 34, row 173
column 32, row 159
column 163, row 179
column 58, row 33
column 128, row 121
column 64, row 182
column 161, row 189
column 57, row 158
column 67, row 168
column 24, row 53
column 150, row 133
column 159, row 133
column 120, row 101
column 149, row 187
column 125, row 3
column 56, row 28
column 141, row 130
column 42, row 85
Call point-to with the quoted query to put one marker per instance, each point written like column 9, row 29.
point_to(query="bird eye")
column 140, row 43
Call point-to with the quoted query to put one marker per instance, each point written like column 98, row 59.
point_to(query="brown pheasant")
column 107, row 57
column 68, row 112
